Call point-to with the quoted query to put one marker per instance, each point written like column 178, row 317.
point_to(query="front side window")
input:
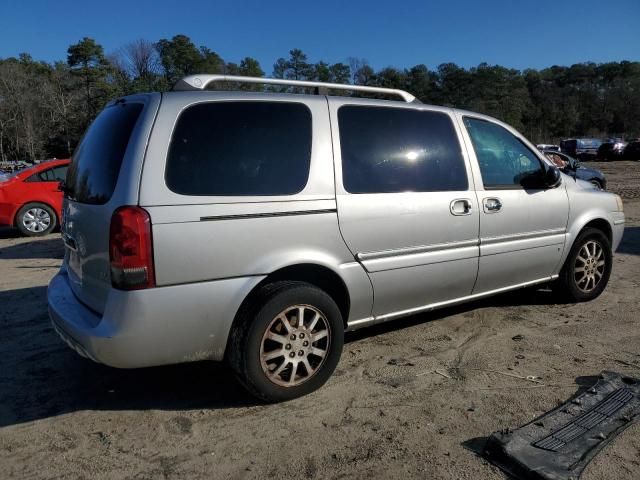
column 388, row 150
column 505, row 162
column 240, row 149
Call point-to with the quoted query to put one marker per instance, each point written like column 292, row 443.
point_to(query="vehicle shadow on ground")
column 630, row 241
column 49, row 248
column 41, row 377
column 6, row 232
column 542, row 295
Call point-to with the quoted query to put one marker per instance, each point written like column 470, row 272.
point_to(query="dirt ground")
column 384, row 414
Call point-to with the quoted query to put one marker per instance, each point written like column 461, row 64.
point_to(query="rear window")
column 95, row 165
column 240, row 149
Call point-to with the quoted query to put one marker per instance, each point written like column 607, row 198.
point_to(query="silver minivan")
column 257, row 228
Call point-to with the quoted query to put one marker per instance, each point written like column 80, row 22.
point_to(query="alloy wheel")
column 295, row 345
column 36, row 220
column 589, row 266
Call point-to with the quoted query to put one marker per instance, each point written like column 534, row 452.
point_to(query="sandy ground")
column 384, row 414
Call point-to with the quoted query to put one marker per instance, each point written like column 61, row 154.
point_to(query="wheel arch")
column 593, row 220
column 596, row 180
column 315, row 274
column 600, row 224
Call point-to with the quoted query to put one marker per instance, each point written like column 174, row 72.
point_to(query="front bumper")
column 144, row 328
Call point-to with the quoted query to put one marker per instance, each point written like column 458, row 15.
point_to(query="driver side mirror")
column 552, row 177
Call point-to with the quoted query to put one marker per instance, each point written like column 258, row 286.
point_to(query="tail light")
column 131, row 249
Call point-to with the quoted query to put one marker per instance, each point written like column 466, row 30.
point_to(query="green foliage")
column 87, row 61
column 180, row 57
column 44, row 108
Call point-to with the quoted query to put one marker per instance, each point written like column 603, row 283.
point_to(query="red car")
column 30, row 199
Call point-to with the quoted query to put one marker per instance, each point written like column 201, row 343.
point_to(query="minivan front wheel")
column 35, row 219
column 587, row 269
column 288, row 342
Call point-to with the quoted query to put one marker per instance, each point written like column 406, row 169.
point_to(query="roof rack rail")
column 200, row 82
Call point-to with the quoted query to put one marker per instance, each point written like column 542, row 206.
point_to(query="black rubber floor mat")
column 560, row 444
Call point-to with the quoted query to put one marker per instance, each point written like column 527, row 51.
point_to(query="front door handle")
column 492, row 205
column 460, row 206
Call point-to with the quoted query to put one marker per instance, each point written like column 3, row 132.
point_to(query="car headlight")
column 619, row 203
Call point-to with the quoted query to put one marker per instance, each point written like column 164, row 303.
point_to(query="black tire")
column 596, row 183
column 256, row 317
column 23, row 225
column 569, row 285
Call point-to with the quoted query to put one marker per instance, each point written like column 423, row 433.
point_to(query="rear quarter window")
column 240, row 149
column 95, row 165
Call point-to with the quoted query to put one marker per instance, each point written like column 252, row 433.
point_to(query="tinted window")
column 95, row 165
column 240, row 148
column 43, row 176
column 504, row 160
column 60, row 173
column 387, row 150
column 55, row 174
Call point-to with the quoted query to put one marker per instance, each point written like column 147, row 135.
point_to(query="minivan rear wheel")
column 587, row 269
column 287, row 342
column 36, row 219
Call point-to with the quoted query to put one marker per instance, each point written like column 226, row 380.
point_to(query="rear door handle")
column 492, row 205
column 460, row 206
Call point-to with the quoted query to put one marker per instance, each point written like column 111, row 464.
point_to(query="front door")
column 406, row 205
column 522, row 229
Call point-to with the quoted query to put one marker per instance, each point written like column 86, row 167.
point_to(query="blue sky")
column 514, row 33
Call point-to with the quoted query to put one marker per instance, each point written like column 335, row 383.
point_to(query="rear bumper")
column 144, row 328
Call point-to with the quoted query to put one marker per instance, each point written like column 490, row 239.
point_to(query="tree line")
column 45, row 107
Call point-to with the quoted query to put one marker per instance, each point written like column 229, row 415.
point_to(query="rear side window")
column 386, row 150
column 240, row 149
column 55, row 174
column 43, row 176
column 95, row 165
column 60, row 173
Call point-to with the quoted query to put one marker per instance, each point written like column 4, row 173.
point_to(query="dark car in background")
column 632, row 150
column 574, row 168
column 581, row 148
column 611, row 150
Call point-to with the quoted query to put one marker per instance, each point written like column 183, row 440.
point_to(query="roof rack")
column 200, row 82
